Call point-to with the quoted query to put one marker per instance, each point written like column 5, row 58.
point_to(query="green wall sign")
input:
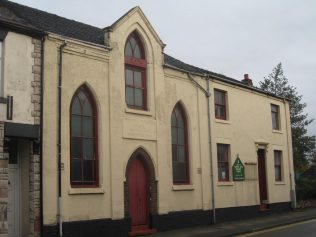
column 238, row 170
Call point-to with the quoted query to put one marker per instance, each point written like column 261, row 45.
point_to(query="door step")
column 264, row 207
column 141, row 230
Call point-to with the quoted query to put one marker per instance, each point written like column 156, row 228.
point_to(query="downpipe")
column 292, row 179
column 59, row 201
column 207, row 94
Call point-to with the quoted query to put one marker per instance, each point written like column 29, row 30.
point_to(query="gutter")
column 21, row 28
column 77, row 41
column 59, row 201
column 208, row 96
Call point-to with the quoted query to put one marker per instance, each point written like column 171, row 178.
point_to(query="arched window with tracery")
column 83, row 130
column 135, row 73
column 179, row 134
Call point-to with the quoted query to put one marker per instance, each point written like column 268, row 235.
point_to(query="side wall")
column 22, row 81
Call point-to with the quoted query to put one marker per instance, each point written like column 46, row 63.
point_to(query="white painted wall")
column 18, row 75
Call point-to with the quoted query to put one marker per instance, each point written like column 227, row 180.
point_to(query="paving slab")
column 234, row 228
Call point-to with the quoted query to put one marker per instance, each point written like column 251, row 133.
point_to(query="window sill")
column 184, row 187
column 77, row 191
column 222, row 121
column 279, row 183
column 140, row 112
column 277, row 131
column 225, row 183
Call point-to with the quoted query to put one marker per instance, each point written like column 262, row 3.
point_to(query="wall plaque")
column 238, row 170
column 139, row 128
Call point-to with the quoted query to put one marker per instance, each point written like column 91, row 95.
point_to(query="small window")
column 275, row 111
column 223, row 162
column 179, row 137
column 220, row 105
column 135, row 74
column 83, row 152
column 278, row 165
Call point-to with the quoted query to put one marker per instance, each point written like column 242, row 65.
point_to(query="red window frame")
column 275, row 114
column 95, row 159
column 220, row 105
column 178, row 111
column 223, row 164
column 136, row 65
column 278, row 165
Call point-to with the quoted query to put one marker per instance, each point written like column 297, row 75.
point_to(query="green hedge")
column 306, row 188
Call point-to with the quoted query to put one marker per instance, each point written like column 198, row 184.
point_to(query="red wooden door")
column 138, row 193
column 262, row 175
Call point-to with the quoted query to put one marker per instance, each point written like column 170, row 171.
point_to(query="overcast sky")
column 231, row 37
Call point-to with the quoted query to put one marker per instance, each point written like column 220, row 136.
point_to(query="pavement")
column 235, row 228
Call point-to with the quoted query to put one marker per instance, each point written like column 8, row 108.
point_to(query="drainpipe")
column 208, row 96
column 292, row 191
column 60, row 68
column 41, row 134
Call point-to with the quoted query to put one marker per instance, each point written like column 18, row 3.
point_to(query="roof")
column 177, row 64
column 55, row 24
column 187, row 67
column 52, row 23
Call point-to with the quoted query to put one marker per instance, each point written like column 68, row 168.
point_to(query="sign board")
column 238, row 170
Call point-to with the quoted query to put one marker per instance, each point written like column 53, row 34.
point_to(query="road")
column 302, row 229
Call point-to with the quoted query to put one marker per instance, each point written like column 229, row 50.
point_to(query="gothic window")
column 83, row 130
column 135, row 74
column 179, row 134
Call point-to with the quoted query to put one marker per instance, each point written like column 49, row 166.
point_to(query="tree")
column 304, row 146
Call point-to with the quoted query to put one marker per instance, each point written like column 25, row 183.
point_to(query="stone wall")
column 36, row 84
column 35, row 184
column 3, row 185
column 34, row 191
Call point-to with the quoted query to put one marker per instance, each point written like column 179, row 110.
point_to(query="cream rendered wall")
column 82, row 64
column 249, row 125
column 123, row 130
column 18, row 75
column 153, row 126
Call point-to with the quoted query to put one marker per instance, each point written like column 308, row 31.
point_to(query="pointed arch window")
column 83, row 130
column 135, row 73
column 179, row 134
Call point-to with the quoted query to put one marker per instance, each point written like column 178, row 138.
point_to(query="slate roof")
column 175, row 63
column 187, row 67
column 52, row 23
column 55, row 24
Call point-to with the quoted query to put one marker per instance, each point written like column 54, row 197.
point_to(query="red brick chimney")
column 247, row 80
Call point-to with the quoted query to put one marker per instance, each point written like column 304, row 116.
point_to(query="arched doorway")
column 140, row 191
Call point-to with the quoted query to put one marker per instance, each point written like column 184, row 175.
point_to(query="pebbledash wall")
column 21, row 77
column 122, row 131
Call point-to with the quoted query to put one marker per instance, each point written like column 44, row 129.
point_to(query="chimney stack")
column 247, row 80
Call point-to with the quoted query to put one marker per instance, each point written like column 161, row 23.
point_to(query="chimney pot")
column 246, row 76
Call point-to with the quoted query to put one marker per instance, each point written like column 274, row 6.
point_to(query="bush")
column 306, row 188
